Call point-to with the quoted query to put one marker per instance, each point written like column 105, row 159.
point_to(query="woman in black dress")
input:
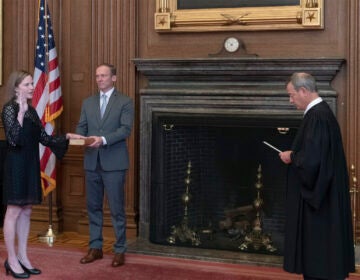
column 22, row 185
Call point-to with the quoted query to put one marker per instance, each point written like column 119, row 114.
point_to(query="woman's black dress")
column 22, row 185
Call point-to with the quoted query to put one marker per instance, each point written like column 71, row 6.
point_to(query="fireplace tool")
column 183, row 232
column 256, row 239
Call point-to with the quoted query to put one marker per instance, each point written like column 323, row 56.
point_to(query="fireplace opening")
column 215, row 185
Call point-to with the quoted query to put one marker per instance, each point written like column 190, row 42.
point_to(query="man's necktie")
column 103, row 105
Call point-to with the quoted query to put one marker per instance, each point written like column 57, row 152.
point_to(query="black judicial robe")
column 318, row 229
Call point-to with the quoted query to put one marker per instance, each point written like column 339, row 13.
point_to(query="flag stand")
column 48, row 108
column 49, row 237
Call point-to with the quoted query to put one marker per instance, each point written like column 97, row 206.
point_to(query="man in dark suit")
column 107, row 118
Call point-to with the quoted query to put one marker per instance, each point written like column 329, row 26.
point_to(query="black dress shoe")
column 14, row 274
column 34, row 271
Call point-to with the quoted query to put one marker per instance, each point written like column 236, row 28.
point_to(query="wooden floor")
column 65, row 240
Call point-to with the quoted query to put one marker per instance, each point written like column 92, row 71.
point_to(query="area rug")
column 63, row 264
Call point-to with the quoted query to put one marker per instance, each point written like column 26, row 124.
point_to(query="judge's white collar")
column 312, row 104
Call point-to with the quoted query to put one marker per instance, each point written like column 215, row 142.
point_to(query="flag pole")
column 49, row 237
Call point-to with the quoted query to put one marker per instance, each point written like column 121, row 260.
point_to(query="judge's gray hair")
column 304, row 80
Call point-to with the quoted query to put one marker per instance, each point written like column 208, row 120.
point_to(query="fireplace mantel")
column 235, row 69
column 209, row 87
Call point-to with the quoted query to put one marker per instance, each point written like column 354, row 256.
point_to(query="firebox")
column 220, row 157
column 208, row 183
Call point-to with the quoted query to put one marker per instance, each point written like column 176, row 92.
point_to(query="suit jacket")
column 115, row 126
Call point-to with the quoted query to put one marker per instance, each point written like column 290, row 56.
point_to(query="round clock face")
column 231, row 44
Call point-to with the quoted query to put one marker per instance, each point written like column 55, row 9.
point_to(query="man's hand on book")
column 74, row 136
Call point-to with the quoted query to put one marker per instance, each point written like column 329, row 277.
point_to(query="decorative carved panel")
column 265, row 15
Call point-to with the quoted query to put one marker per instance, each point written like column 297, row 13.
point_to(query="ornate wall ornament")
column 306, row 14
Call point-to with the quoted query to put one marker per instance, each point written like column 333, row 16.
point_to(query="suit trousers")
column 112, row 183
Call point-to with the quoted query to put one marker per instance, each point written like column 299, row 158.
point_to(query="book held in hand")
column 81, row 142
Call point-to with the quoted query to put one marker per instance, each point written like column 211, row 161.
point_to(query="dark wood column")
column 353, row 100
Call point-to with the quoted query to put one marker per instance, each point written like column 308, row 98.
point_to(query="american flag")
column 47, row 98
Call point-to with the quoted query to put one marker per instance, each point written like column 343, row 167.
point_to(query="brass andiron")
column 353, row 191
column 183, row 231
column 256, row 239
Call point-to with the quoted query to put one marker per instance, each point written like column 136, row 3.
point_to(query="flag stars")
column 45, row 39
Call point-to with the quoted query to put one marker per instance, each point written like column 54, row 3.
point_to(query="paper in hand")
column 271, row 146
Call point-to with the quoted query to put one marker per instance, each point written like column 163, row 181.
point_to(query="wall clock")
column 231, row 44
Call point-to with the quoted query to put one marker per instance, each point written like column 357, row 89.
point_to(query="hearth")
column 202, row 127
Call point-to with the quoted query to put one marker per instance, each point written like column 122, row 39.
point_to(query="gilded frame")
column 309, row 14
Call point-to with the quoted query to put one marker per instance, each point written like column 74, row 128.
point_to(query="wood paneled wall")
column 353, row 86
column 102, row 32
column 89, row 32
column 352, row 109
column 340, row 38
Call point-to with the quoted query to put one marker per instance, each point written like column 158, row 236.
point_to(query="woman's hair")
column 304, row 80
column 14, row 81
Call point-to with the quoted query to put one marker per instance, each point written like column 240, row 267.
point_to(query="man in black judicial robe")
column 318, row 231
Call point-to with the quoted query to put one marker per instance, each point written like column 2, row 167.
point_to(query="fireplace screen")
column 216, row 185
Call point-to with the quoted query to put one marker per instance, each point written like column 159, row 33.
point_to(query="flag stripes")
column 47, row 99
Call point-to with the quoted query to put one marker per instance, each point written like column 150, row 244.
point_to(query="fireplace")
column 202, row 158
